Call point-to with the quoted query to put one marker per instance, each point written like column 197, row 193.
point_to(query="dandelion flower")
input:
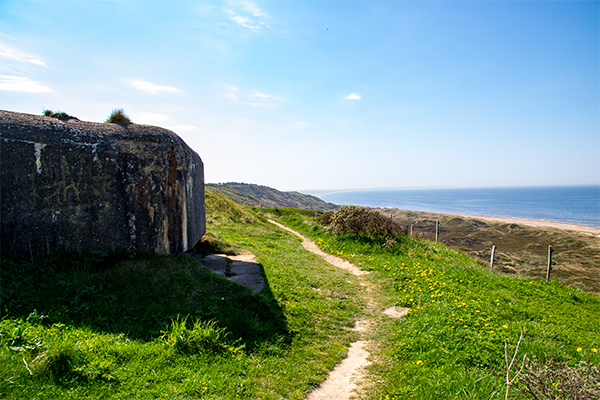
column 594, row 350
column 505, row 326
column 579, row 349
column 419, row 362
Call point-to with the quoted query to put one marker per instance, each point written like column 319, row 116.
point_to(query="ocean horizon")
column 570, row 204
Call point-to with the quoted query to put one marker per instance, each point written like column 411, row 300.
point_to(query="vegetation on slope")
column 520, row 249
column 451, row 343
column 146, row 326
column 263, row 196
column 63, row 116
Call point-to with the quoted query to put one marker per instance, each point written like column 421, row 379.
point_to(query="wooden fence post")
column 492, row 257
column 549, row 262
column 410, row 230
column 437, row 228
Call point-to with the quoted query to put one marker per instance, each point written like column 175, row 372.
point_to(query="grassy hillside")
column 257, row 195
column 451, row 345
column 520, row 249
column 143, row 326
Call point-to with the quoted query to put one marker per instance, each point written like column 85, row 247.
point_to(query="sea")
column 572, row 204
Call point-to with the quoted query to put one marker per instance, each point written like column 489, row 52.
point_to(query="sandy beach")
column 538, row 223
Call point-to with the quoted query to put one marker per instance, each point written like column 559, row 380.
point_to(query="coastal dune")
column 537, row 223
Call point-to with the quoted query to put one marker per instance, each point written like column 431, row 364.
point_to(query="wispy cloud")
column 352, row 96
column 148, row 87
column 243, row 21
column 231, row 92
column 12, row 83
column 17, row 55
column 246, row 7
column 250, row 97
column 299, row 124
column 250, row 7
column 265, row 96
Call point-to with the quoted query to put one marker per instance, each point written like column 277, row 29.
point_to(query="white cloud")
column 17, row 55
column 352, row 96
column 299, row 124
column 149, row 87
column 231, row 87
column 13, row 83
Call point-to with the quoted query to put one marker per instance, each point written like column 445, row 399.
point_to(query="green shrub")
column 559, row 380
column 325, row 218
column 118, row 116
column 357, row 220
column 63, row 116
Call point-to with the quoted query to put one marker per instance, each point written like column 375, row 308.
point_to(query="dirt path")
column 347, row 376
column 312, row 247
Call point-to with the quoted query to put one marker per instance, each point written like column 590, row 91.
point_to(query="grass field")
column 146, row 326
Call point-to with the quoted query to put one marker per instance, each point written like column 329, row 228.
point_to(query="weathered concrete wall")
column 79, row 185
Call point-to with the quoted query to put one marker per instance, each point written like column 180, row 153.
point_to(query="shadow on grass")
column 137, row 295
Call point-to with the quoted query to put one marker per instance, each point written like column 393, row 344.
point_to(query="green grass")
column 146, row 326
column 451, row 344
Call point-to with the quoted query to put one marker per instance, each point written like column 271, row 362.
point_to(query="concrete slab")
column 243, row 269
column 215, row 262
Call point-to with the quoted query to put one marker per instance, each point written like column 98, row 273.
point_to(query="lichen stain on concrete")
column 38, row 156
column 166, row 245
column 184, row 221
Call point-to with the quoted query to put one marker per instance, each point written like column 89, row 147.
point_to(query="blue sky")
column 304, row 95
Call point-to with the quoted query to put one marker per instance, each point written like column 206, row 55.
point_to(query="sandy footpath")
column 346, row 376
column 538, row 223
